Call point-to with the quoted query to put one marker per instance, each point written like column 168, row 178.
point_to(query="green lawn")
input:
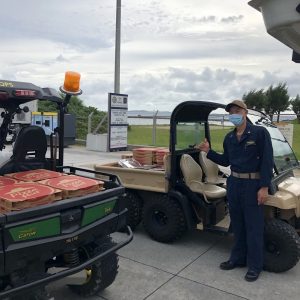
column 296, row 140
column 142, row 135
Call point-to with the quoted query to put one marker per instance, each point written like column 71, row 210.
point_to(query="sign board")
column 287, row 131
column 117, row 121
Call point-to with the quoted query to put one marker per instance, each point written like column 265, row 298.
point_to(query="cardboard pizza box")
column 23, row 195
column 74, row 186
column 7, row 181
column 35, row 175
column 145, row 156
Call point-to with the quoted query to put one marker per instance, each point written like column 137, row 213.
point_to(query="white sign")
column 118, row 101
column 287, row 130
column 118, row 136
column 118, row 116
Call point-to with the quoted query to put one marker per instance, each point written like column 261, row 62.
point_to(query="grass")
column 296, row 140
column 142, row 135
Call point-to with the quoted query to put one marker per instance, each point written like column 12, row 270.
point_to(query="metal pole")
column 118, row 47
column 90, row 122
column 154, row 128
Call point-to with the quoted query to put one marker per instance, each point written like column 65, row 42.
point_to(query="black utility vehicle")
column 71, row 234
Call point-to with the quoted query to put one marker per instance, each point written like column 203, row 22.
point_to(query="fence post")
column 90, row 122
column 100, row 124
column 154, row 128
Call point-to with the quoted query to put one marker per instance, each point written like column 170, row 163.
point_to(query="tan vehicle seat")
column 192, row 174
column 211, row 170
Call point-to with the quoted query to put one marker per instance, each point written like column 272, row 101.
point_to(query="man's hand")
column 204, row 146
column 262, row 195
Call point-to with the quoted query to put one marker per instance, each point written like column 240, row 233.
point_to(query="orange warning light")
column 72, row 82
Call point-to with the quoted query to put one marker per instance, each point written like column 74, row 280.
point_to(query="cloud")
column 232, row 19
column 60, row 58
column 171, row 50
column 71, row 22
column 204, row 19
column 166, row 90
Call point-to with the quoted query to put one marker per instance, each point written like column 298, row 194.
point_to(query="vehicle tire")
column 282, row 246
column 134, row 205
column 102, row 273
column 163, row 218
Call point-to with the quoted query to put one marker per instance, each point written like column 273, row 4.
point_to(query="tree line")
column 273, row 100
column 81, row 111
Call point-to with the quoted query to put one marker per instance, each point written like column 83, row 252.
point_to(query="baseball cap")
column 238, row 103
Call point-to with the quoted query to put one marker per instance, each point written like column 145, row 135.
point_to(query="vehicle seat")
column 192, row 174
column 211, row 170
column 29, row 151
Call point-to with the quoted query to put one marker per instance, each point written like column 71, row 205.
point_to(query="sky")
column 171, row 51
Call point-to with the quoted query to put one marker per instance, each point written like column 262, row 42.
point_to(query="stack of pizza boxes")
column 160, row 154
column 145, row 156
column 150, row 156
column 38, row 187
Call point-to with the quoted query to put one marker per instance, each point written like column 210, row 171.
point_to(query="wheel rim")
column 272, row 248
column 88, row 273
column 159, row 218
column 83, row 254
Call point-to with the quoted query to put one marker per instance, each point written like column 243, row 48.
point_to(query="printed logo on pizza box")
column 71, row 183
column 36, row 175
column 5, row 181
column 74, row 183
column 20, row 192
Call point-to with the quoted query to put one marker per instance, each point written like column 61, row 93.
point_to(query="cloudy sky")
column 172, row 50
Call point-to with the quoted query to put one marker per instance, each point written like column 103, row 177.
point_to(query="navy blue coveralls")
column 252, row 153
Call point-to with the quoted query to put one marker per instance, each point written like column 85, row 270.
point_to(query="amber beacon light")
column 71, row 84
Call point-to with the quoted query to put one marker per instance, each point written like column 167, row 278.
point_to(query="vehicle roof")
column 194, row 111
column 10, row 87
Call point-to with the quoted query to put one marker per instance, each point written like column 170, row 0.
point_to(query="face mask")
column 236, row 119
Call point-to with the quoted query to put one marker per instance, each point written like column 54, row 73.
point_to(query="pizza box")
column 160, row 154
column 7, row 181
column 74, row 186
column 35, row 175
column 145, row 156
column 23, row 195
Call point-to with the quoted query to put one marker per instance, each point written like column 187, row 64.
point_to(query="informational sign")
column 118, row 137
column 118, row 116
column 287, row 130
column 117, row 121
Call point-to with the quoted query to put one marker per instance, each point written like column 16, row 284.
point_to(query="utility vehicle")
column 191, row 191
column 71, row 234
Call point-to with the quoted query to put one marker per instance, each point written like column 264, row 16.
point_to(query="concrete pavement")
column 187, row 269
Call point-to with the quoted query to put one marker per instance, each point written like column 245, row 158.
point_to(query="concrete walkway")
column 187, row 269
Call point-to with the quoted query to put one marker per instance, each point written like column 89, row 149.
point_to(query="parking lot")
column 187, row 269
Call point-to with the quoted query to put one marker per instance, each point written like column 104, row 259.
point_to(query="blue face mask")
column 236, row 119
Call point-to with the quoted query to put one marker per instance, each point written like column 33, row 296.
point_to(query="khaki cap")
column 238, row 103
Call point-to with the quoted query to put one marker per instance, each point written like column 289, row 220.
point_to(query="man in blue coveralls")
column 248, row 151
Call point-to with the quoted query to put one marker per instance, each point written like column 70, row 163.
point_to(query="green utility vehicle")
column 191, row 190
column 45, row 243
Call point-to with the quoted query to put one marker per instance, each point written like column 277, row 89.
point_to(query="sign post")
column 117, row 122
